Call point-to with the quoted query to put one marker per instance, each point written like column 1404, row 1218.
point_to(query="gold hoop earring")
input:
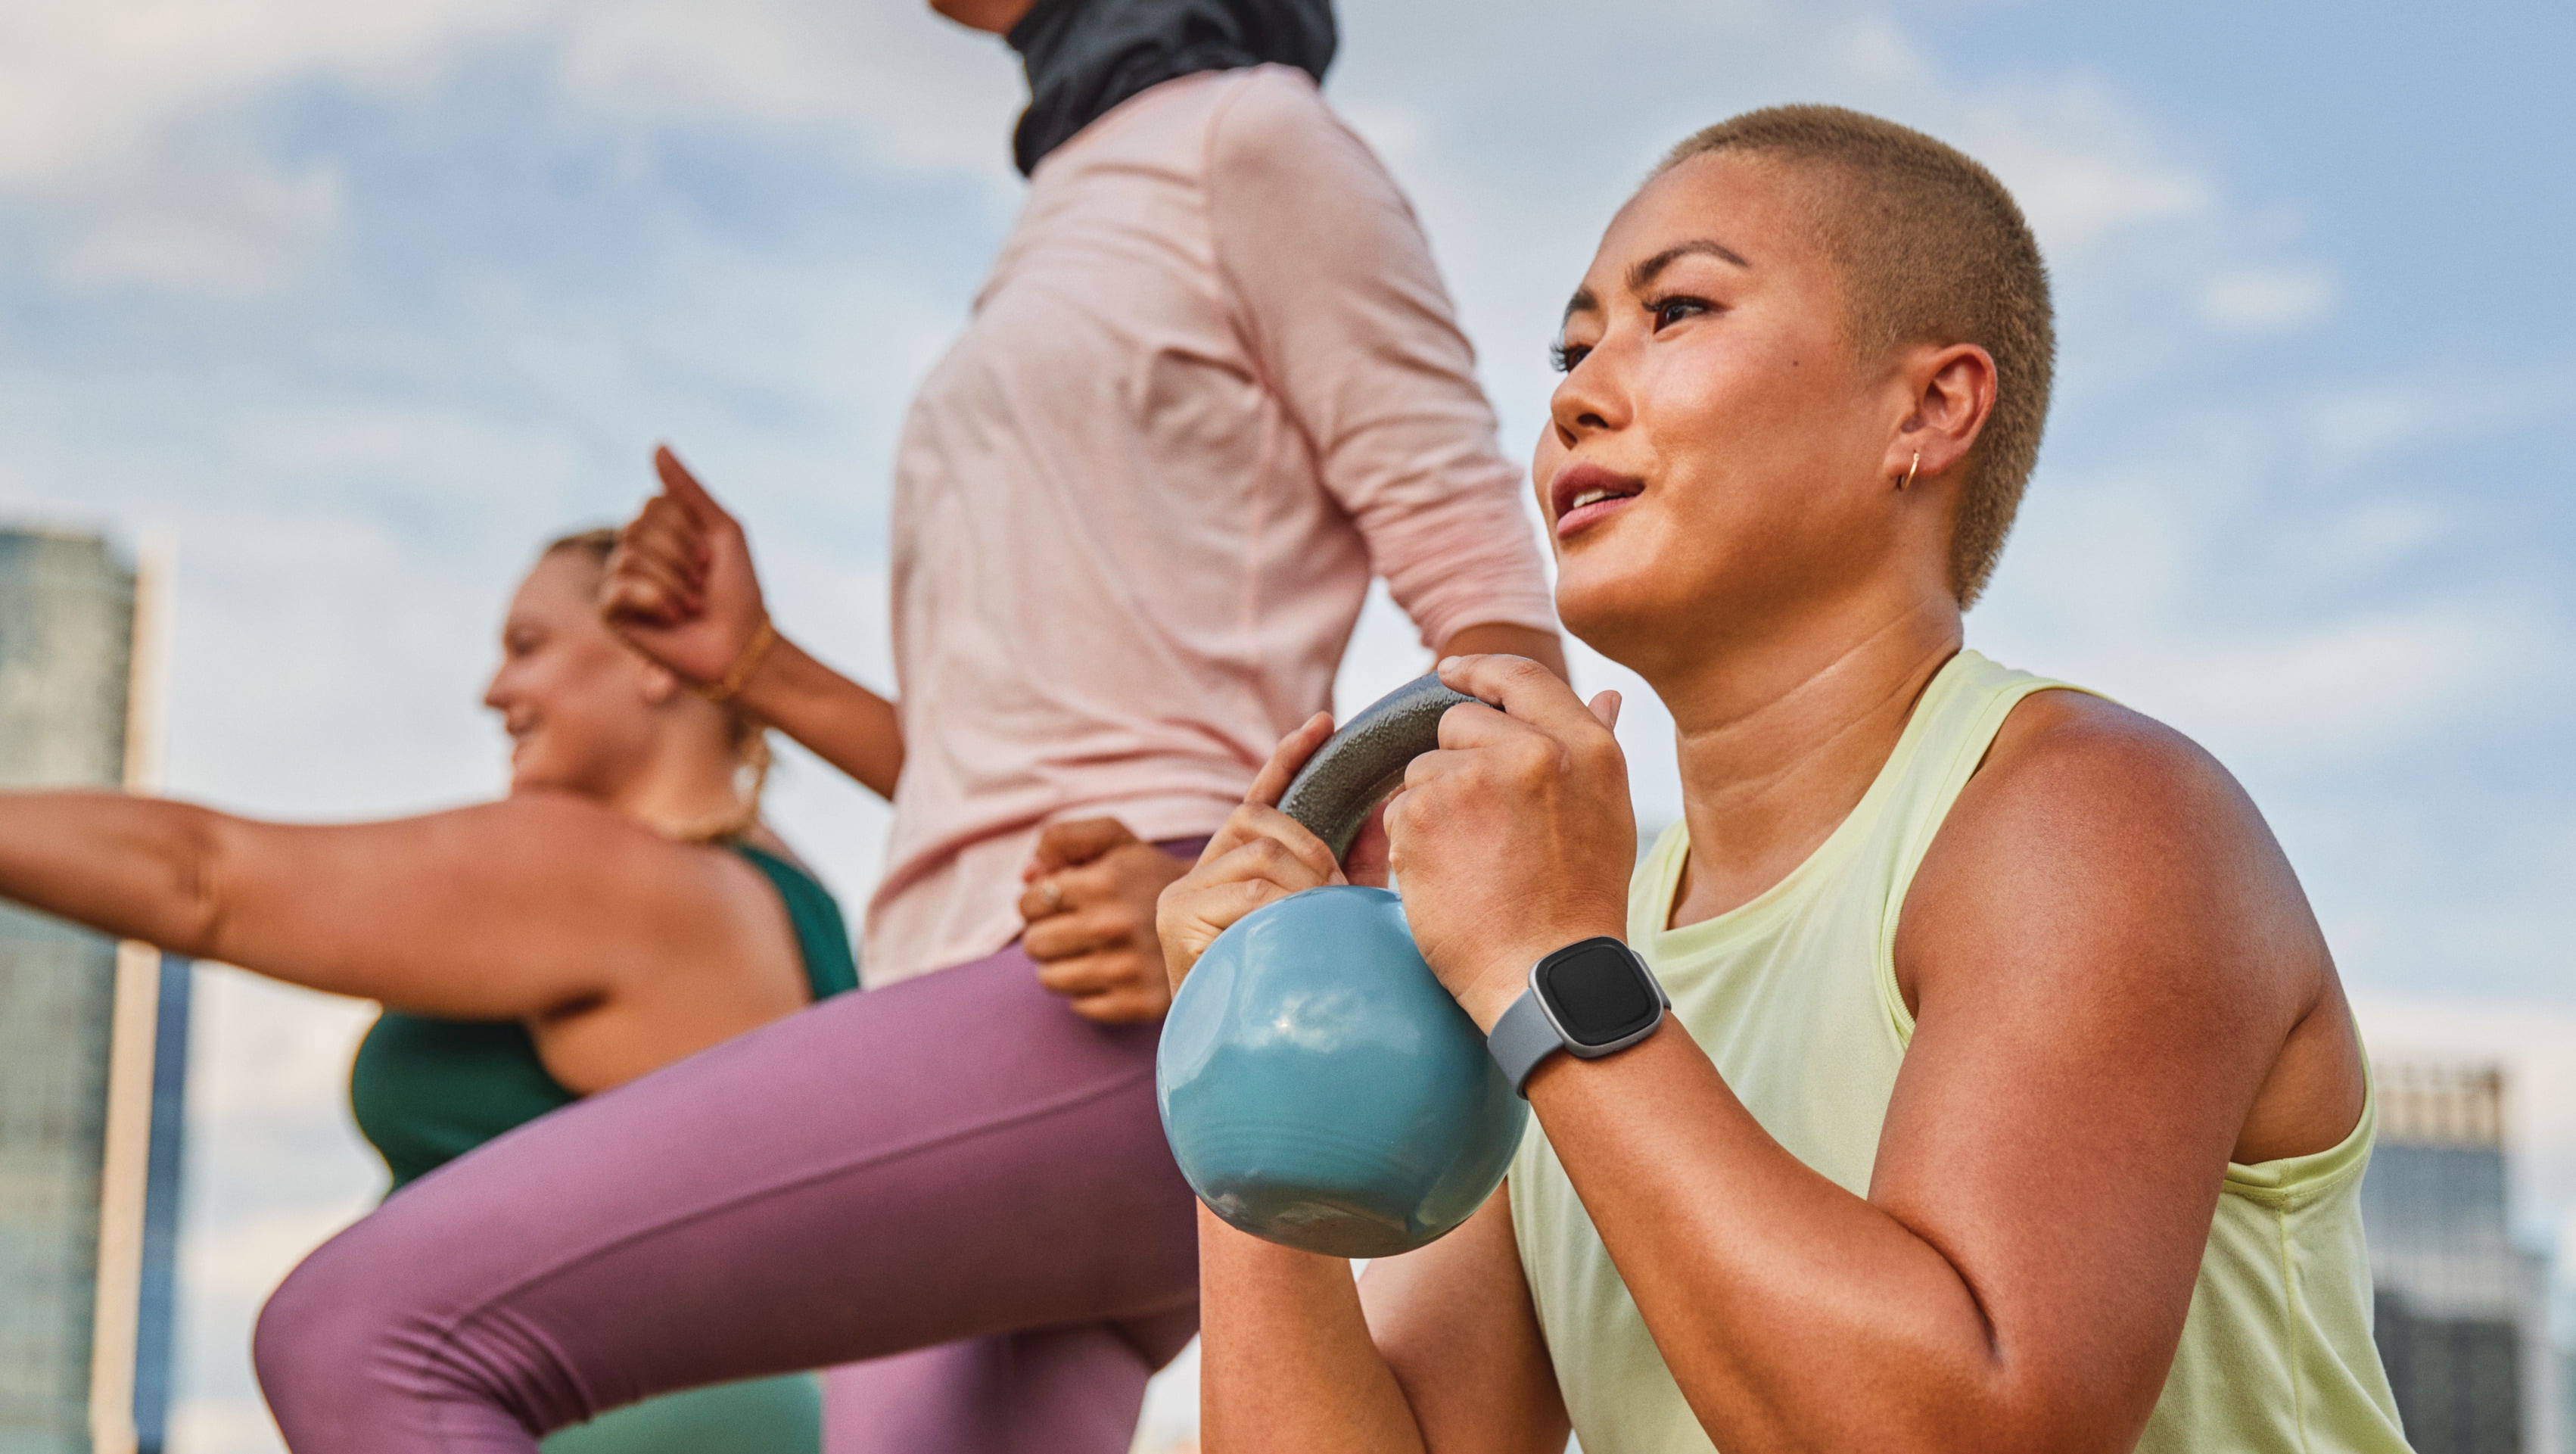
column 1909, row 472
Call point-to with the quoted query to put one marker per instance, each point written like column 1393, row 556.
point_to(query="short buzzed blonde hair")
column 1932, row 249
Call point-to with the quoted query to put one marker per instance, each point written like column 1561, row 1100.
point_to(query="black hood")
column 1086, row 56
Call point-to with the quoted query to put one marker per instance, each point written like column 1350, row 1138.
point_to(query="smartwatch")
column 1589, row 1000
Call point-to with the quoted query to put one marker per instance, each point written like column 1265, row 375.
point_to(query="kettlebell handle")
column 1333, row 793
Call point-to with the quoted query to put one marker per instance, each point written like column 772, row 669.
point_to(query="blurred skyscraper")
column 93, row 1036
column 2566, row 1402
column 2462, row 1312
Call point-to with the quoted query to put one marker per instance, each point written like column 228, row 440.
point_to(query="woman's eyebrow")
column 1644, row 273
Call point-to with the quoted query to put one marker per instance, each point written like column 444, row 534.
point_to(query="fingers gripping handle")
column 1333, row 793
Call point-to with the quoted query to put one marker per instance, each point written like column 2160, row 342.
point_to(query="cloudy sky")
column 356, row 303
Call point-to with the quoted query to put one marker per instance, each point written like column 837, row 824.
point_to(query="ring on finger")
column 1052, row 896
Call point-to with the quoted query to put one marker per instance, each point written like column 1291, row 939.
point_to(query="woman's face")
column 1714, row 452
column 575, row 700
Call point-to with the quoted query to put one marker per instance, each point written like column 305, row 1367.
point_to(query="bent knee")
column 319, row 1343
column 368, row 1335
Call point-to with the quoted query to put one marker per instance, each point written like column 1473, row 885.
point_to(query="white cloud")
column 2339, row 689
column 112, row 114
column 232, row 226
column 98, row 88
column 127, row 116
column 917, row 91
column 2113, row 586
column 2354, row 425
column 2085, row 166
column 2268, row 300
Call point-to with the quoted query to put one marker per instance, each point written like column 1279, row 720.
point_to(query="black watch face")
column 1599, row 992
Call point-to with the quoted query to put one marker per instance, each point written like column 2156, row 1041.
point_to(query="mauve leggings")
column 955, row 1176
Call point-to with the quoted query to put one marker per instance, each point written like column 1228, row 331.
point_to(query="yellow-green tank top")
column 1794, row 996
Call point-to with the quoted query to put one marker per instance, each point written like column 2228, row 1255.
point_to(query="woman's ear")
column 1952, row 391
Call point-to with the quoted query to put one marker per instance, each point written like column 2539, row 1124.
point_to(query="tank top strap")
column 1951, row 730
column 822, row 937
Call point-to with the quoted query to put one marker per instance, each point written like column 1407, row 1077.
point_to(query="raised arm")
column 682, row 590
column 1346, row 312
column 538, row 906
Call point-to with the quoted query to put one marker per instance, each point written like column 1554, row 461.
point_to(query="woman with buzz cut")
column 2007, row 1098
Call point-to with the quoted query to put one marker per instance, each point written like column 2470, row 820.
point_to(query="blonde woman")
column 621, row 908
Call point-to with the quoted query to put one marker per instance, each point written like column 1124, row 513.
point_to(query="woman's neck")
column 683, row 791
column 1780, row 739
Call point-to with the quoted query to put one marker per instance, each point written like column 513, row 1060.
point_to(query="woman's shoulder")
column 2072, row 747
column 560, row 810
column 2085, row 828
column 1278, row 161
column 1270, row 115
column 1240, row 132
column 591, row 851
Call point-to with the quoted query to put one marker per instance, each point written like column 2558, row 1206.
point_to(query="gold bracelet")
column 754, row 652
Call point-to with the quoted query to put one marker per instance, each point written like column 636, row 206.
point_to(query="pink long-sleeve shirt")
column 1212, row 385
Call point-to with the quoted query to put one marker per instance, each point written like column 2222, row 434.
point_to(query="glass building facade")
column 2462, row 1321
column 92, row 1052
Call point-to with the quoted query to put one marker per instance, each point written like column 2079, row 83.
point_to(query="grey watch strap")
column 1522, row 1038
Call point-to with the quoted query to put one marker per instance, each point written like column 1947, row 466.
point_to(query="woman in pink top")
column 1211, row 387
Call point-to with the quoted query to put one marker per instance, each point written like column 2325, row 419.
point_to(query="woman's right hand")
column 680, row 587
column 1260, row 856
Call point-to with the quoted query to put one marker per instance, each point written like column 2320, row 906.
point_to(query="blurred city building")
column 2567, row 1401
column 93, row 1034
column 2462, row 1313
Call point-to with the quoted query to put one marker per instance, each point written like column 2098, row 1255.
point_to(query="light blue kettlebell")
column 1318, row 1086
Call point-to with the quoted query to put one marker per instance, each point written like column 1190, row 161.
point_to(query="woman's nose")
column 1588, row 400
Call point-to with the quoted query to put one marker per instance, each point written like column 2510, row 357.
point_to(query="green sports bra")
column 426, row 1091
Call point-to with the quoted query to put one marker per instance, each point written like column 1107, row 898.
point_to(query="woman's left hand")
column 1089, row 905
column 1516, row 838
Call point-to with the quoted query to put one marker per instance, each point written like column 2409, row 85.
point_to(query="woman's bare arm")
column 2088, row 1053
column 539, row 906
column 1434, row 1352
column 834, row 717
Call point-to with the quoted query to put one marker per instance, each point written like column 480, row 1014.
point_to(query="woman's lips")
column 1585, row 516
column 1585, row 494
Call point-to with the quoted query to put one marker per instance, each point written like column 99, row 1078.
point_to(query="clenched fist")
column 1516, row 837
column 680, row 587
column 1089, row 906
